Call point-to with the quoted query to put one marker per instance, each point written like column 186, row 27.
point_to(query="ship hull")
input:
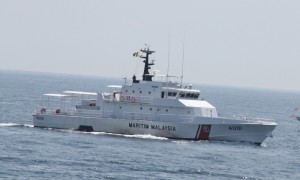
column 243, row 132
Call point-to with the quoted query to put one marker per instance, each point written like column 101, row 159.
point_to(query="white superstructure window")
column 189, row 95
column 173, row 94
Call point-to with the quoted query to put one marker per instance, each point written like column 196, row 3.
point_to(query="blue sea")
column 36, row 153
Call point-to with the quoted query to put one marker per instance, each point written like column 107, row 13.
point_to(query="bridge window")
column 172, row 94
column 189, row 95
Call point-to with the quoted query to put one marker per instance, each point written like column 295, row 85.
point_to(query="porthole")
column 126, row 90
column 141, row 92
column 167, row 110
column 188, row 112
column 150, row 109
column 133, row 91
column 141, row 108
column 157, row 109
column 120, row 107
column 149, row 92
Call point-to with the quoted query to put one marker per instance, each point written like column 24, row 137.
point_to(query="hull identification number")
column 235, row 128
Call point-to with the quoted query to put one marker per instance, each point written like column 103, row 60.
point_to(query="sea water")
column 44, row 153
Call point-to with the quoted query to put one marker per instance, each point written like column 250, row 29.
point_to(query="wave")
column 141, row 136
column 145, row 136
column 28, row 125
column 10, row 124
column 183, row 141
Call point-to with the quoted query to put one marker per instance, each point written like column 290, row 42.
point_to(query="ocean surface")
column 36, row 153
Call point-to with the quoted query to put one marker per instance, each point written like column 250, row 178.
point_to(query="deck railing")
column 116, row 115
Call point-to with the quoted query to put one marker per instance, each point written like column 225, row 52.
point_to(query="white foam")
column 182, row 141
column 8, row 124
column 28, row 125
column 145, row 136
column 142, row 136
column 98, row 133
column 264, row 145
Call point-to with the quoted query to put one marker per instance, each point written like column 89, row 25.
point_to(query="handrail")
column 111, row 114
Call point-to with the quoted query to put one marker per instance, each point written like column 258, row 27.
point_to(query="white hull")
column 244, row 132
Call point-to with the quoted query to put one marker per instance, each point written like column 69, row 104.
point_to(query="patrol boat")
column 156, row 105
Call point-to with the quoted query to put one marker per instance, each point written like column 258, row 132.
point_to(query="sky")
column 254, row 43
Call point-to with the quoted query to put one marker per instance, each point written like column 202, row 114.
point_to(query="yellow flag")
column 136, row 54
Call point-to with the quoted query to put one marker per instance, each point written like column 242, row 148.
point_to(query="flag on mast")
column 136, row 54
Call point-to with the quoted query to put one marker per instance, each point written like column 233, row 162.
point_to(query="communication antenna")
column 168, row 57
column 125, row 79
column 182, row 58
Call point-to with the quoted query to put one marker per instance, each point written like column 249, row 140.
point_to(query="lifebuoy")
column 43, row 110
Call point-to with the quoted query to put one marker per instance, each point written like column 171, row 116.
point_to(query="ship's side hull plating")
column 244, row 132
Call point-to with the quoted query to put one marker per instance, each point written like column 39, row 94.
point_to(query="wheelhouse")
column 177, row 93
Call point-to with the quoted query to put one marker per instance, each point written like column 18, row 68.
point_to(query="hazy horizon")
column 234, row 43
column 129, row 79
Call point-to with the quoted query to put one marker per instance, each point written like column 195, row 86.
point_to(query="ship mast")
column 146, row 75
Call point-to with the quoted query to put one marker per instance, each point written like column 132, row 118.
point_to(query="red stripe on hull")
column 204, row 132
